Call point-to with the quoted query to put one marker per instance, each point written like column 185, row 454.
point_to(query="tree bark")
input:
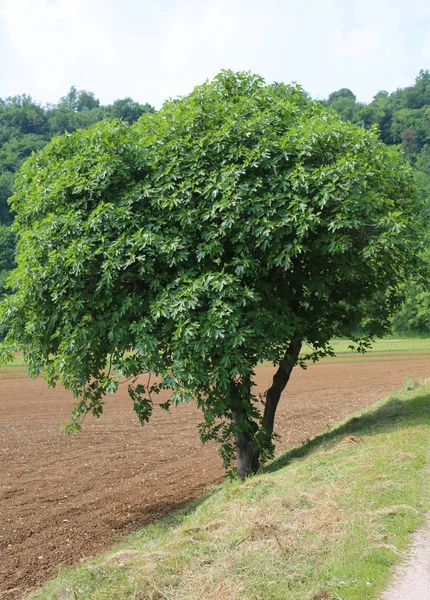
column 248, row 441
column 246, row 453
column 273, row 394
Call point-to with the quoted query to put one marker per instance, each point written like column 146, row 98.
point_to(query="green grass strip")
column 420, row 345
column 385, row 349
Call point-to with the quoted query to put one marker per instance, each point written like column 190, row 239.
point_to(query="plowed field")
column 63, row 498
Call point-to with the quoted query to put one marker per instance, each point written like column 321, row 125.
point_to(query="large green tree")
column 231, row 227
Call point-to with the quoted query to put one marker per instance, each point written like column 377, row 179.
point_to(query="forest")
column 402, row 118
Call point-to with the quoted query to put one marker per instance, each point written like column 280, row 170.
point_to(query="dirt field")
column 63, row 498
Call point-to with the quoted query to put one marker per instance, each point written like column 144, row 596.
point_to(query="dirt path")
column 63, row 498
column 412, row 579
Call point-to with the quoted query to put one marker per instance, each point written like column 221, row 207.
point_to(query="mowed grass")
column 326, row 520
column 382, row 350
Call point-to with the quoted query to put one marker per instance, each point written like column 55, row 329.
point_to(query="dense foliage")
column 7, row 260
column 402, row 117
column 414, row 315
column 26, row 127
column 229, row 228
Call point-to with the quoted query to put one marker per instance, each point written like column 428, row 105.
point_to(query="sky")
column 154, row 50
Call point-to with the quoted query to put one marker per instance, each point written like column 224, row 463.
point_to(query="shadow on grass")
column 394, row 413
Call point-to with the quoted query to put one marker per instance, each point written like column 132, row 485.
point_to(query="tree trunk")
column 248, row 442
column 273, row 394
column 246, row 453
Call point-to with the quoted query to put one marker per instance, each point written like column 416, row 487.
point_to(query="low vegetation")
column 326, row 520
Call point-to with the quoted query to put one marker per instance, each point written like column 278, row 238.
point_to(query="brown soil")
column 63, row 498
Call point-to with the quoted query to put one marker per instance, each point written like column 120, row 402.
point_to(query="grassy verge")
column 325, row 521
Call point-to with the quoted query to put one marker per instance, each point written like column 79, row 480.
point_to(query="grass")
column 14, row 370
column 419, row 345
column 382, row 350
column 326, row 520
column 385, row 349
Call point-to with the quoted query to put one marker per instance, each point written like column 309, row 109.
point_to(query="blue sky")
column 154, row 50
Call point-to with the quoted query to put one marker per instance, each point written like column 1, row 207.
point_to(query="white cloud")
column 360, row 43
column 416, row 8
column 199, row 39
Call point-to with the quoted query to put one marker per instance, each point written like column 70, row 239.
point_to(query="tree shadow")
column 164, row 514
column 394, row 413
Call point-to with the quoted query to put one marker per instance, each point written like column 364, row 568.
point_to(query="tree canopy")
column 229, row 228
column 401, row 118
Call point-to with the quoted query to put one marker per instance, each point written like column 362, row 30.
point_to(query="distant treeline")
column 402, row 117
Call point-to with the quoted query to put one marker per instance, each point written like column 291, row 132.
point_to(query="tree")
column 409, row 141
column 378, row 112
column 128, row 110
column 418, row 95
column 7, row 248
column 26, row 127
column 21, row 114
column 6, row 184
column 79, row 101
column 229, row 228
column 416, row 120
column 7, row 261
column 343, row 101
column 414, row 315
